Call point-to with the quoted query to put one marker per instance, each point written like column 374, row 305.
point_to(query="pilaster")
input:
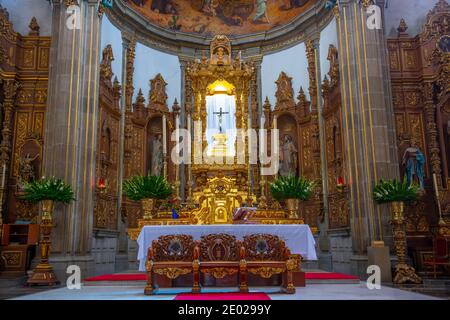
column 71, row 125
column 369, row 133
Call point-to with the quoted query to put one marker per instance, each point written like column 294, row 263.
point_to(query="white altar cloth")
column 298, row 237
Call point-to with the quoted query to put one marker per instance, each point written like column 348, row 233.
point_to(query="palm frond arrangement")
column 48, row 189
column 292, row 187
column 147, row 187
column 393, row 190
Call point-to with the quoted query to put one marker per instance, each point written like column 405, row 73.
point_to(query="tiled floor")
column 311, row 292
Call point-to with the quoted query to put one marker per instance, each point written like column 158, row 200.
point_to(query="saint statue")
column 157, row 157
column 414, row 160
column 288, row 157
column 26, row 170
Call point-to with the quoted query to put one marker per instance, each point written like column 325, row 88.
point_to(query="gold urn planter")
column 148, row 206
column 43, row 273
column 403, row 273
column 292, row 206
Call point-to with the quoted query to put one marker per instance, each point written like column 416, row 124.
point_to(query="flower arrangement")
column 147, row 187
column 394, row 191
column 292, row 187
column 48, row 189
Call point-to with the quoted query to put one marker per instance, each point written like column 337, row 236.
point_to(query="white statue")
column 288, row 157
column 157, row 157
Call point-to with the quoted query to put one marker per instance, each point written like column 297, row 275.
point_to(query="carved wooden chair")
column 267, row 255
column 172, row 256
column 220, row 256
column 440, row 253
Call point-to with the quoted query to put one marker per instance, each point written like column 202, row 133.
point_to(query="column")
column 367, row 123
column 70, row 132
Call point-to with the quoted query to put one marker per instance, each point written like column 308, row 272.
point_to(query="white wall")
column 21, row 12
column 111, row 35
column 327, row 36
column 293, row 62
column 148, row 63
column 413, row 11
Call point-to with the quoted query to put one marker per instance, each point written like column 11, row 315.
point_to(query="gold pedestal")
column 43, row 273
column 292, row 206
column 403, row 272
column 148, row 206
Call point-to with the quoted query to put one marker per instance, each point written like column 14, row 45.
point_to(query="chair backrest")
column 173, row 248
column 441, row 247
column 264, row 247
column 219, row 247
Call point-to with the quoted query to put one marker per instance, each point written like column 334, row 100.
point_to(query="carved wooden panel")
column 173, row 248
column 108, row 140
column 25, row 58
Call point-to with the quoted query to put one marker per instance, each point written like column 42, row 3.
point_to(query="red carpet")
column 142, row 276
column 328, row 276
column 222, row 296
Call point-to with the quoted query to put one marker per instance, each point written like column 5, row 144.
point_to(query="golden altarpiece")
column 219, row 179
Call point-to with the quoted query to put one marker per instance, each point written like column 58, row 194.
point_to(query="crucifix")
column 220, row 114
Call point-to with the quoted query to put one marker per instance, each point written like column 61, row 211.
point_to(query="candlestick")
column 436, row 190
column 164, row 134
column 3, row 176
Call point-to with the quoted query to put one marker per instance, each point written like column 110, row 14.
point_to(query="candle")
column 435, row 185
column 164, row 134
column 3, row 176
column 177, row 128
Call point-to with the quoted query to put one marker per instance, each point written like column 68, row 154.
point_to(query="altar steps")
column 138, row 279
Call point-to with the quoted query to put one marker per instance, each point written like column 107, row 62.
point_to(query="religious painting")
column 209, row 17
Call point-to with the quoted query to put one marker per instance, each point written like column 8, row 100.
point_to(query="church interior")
column 252, row 149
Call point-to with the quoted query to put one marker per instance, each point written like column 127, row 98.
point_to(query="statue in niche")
column 414, row 160
column 26, row 170
column 157, row 156
column 288, row 157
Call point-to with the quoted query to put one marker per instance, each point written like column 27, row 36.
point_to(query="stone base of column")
column 60, row 263
column 378, row 254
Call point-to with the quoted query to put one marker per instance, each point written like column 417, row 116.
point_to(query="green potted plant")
column 396, row 193
column 47, row 191
column 147, row 189
column 292, row 189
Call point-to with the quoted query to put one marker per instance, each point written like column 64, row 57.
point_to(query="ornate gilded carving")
column 402, row 27
column 157, row 92
column 105, row 65
column 284, row 93
column 6, row 27
column 266, row 272
column 172, row 273
column 220, row 272
column 173, row 248
column 34, row 27
column 264, row 247
column 219, row 247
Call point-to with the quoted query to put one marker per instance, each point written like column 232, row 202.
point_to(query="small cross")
column 220, row 114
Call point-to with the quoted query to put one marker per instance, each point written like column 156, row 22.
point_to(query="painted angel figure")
column 261, row 11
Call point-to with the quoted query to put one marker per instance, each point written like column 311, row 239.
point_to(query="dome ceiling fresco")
column 209, row 17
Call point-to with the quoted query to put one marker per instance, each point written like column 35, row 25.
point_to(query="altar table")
column 298, row 237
